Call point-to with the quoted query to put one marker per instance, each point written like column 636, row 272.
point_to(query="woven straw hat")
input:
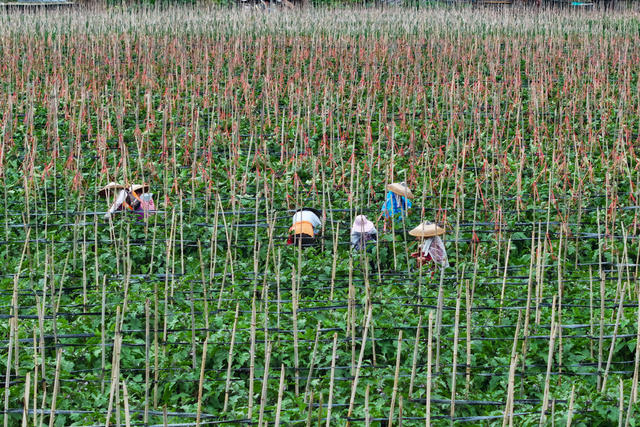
column 110, row 186
column 427, row 230
column 136, row 187
column 401, row 189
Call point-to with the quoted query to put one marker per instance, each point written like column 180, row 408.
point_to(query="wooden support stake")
column 396, row 377
column 331, row 382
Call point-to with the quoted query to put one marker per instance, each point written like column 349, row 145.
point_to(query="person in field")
column 397, row 202
column 362, row 231
column 135, row 199
column 431, row 247
column 306, row 227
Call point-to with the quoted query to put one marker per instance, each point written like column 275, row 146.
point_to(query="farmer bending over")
column 397, row 204
column 431, row 245
column 305, row 228
column 362, row 231
column 134, row 199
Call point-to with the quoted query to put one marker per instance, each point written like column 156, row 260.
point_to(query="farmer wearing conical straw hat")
column 431, row 247
column 397, row 202
column 133, row 199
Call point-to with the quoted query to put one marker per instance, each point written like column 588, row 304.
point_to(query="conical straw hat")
column 401, row 189
column 110, row 186
column 136, row 187
column 427, row 230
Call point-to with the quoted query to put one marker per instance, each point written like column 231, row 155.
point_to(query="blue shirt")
column 395, row 206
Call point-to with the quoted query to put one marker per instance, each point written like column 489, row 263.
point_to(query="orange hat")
column 302, row 227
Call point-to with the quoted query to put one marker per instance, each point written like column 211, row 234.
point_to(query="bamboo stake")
column 125, row 397
column 633, row 396
column 331, row 382
column 309, row 410
column 265, row 383
column 367, row 416
column 230, row 359
column 115, row 374
column 454, row 362
column 396, row 376
column 147, row 344
column 280, row 394
column 7, row 377
column 545, row 399
column 56, row 386
column 414, row 361
column 252, row 356
column 508, row 410
column 35, row 378
column 620, row 402
column 570, row 412
column 25, row 409
column 313, row 359
column 504, row 279
column 201, row 381
column 429, row 353
column 468, row 340
column 103, row 334
column 613, row 338
column 354, row 384
column 294, row 309
column 320, row 418
column 438, row 320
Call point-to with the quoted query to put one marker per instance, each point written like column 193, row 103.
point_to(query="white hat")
column 362, row 225
column 427, row 230
column 401, row 189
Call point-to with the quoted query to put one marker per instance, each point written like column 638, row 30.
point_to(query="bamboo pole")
column 429, row 353
column 265, row 383
column 230, row 359
column 309, row 410
column 414, row 360
column 280, row 394
column 25, row 409
column 633, row 396
column 125, row 397
column 147, row 344
column 201, row 380
column 354, row 383
column 367, row 414
column 56, row 386
column 508, row 410
column 613, row 338
column 570, row 411
column 454, row 362
column 294, row 310
column 313, row 359
column 115, row 374
column 331, row 382
column 504, row 279
column 252, row 356
column 396, row 377
column 552, row 339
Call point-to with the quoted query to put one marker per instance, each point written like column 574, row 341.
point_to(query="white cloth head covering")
column 362, row 225
column 434, row 246
column 307, row 216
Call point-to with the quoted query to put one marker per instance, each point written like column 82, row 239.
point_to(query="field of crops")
column 517, row 130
